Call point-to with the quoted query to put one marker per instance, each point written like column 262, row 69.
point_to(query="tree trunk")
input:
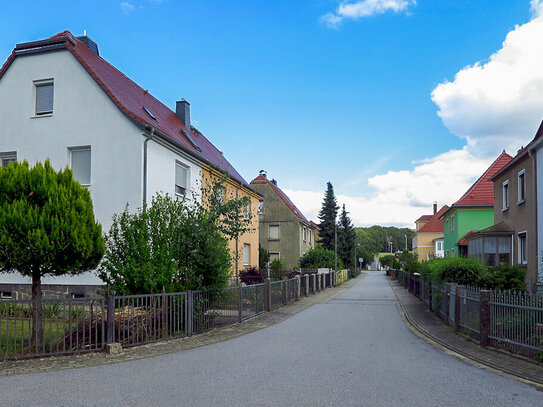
column 37, row 313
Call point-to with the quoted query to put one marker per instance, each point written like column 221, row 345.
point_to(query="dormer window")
column 44, row 91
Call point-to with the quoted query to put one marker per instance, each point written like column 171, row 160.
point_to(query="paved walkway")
column 352, row 350
column 430, row 327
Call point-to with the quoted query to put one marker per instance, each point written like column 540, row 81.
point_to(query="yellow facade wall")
column 234, row 189
column 425, row 248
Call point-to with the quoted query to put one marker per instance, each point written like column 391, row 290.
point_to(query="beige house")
column 428, row 239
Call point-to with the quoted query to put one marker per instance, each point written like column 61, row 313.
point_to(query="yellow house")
column 246, row 246
column 428, row 239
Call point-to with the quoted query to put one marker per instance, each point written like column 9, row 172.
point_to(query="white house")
column 60, row 100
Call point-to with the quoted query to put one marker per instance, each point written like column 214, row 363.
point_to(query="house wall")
column 83, row 115
column 520, row 216
column 539, row 181
column 425, row 248
column 233, row 189
column 290, row 245
column 465, row 220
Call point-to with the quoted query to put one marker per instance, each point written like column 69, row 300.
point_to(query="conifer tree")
column 327, row 216
column 346, row 238
column 47, row 227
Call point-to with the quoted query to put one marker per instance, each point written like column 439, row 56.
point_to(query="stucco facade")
column 247, row 244
column 460, row 221
column 283, row 230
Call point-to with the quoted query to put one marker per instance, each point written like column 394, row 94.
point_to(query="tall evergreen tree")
column 346, row 238
column 327, row 216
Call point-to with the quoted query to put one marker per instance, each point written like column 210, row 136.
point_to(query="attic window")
column 44, row 91
column 149, row 113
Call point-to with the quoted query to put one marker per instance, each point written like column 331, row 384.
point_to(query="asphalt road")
column 353, row 351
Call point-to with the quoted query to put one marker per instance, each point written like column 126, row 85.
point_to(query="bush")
column 277, row 264
column 387, row 260
column 503, row 277
column 250, row 276
column 458, row 270
column 319, row 257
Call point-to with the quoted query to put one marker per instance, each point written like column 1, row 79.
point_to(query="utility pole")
column 335, row 244
column 405, row 241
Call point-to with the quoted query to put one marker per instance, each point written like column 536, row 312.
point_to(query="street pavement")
column 352, row 351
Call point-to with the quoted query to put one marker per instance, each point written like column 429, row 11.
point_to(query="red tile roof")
column 424, row 218
column 481, row 193
column 434, row 225
column 133, row 101
column 464, row 240
column 262, row 179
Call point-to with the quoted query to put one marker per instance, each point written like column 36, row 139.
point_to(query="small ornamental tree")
column 319, row 257
column 47, row 228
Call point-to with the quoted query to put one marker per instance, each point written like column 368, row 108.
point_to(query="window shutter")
column 181, row 175
column 44, row 98
column 81, row 165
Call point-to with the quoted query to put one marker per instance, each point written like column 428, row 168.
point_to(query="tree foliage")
column 346, row 239
column 47, row 226
column 263, row 257
column 168, row 246
column 376, row 238
column 319, row 257
column 327, row 216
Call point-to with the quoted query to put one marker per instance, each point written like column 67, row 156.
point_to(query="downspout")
column 148, row 137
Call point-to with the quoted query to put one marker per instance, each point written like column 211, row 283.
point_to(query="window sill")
column 38, row 116
column 505, row 209
column 521, row 202
column 273, row 240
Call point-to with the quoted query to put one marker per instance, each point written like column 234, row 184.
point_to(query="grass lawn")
column 15, row 334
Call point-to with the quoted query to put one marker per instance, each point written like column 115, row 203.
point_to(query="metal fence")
column 468, row 317
column 426, row 291
column 87, row 324
column 516, row 322
column 439, row 299
column 67, row 326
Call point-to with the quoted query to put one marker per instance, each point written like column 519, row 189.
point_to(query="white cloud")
column 499, row 103
column 127, row 7
column 402, row 196
column 364, row 8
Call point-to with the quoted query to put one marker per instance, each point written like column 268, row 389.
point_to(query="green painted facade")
column 460, row 221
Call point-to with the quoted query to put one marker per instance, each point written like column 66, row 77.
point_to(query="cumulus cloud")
column 349, row 9
column 127, row 7
column 403, row 196
column 498, row 103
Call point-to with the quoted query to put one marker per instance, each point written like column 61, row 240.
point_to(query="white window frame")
column 452, row 223
column 521, row 192
column 260, row 206
column 310, row 236
column 7, row 157
column 81, row 148
column 185, row 194
column 304, row 233
column 505, row 195
column 247, row 211
column 278, row 232
column 275, row 253
column 37, row 84
column 246, row 254
column 522, row 260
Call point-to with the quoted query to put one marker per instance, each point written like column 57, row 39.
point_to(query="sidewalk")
column 430, row 328
column 55, row 363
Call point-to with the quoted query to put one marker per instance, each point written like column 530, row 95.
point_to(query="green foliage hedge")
column 319, row 257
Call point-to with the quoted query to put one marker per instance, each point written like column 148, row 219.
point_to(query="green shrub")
column 453, row 270
column 319, row 257
column 277, row 264
column 503, row 277
column 387, row 260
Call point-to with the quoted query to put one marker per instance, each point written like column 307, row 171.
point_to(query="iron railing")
column 516, row 322
column 469, row 309
column 67, row 326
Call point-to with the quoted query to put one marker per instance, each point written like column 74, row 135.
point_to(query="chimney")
column 182, row 110
column 263, row 173
column 274, row 182
column 435, row 208
column 89, row 43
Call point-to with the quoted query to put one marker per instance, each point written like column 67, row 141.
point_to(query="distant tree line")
column 376, row 238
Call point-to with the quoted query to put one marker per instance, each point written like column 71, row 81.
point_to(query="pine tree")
column 327, row 216
column 346, row 238
column 47, row 227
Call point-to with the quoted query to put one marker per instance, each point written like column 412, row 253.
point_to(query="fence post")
column 459, row 290
column 313, row 283
column 484, row 317
column 298, row 287
column 268, row 295
column 189, row 310
column 240, row 304
column 110, row 319
column 306, row 282
column 447, row 300
column 285, row 289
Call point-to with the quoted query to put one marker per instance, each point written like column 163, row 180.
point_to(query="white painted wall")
column 83, row 115
column 539, row 188
column 161, row 171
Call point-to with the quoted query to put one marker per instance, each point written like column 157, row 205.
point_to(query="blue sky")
column 276, row 86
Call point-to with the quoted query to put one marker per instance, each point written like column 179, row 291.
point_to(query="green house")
column 472, row 212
